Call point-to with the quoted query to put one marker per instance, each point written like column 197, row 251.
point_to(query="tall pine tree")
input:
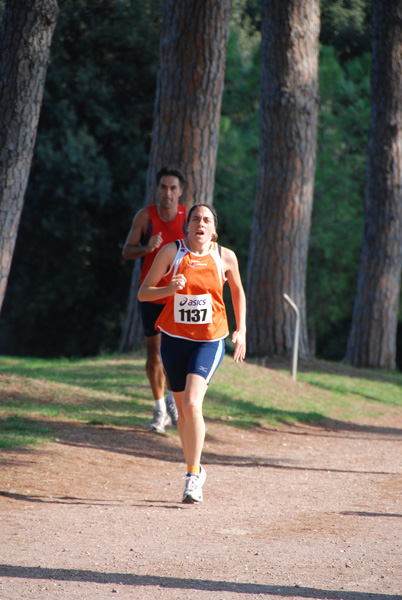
column 372, row 338
column 288, row 137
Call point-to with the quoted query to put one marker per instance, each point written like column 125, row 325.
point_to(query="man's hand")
column 155, row 241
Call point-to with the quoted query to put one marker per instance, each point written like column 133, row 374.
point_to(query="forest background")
column 68, row 287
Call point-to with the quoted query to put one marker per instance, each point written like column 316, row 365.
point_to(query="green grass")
column 101, row 391
column 114, row 391
column 17, row 432
column 323, row 391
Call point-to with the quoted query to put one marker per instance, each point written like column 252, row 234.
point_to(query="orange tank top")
column 170, row 230
column 198, row 311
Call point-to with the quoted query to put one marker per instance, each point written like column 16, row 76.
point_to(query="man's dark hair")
column 173, row 171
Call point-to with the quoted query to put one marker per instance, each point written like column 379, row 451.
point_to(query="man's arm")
column 132, row 248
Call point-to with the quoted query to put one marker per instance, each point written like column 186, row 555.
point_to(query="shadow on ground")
column 286, row 591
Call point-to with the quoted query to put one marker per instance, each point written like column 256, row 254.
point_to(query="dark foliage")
column 68, row 285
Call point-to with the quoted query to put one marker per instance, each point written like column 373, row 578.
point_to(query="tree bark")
column 187, row 112
column 285, row 185
column 372, row 337
column 189, row 94
column 27, row 31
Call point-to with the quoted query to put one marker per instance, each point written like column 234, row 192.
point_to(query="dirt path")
column 297, row 512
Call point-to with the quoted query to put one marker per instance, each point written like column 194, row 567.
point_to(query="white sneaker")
column 202, row 476
column 193, row 488
column 172, row 411
column 159, row 422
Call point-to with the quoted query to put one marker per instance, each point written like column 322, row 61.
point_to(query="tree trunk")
column 287, row 156
column 189, row 94
column 187, row 111
column 131, row 337
column 372, row 338
column 27, row 31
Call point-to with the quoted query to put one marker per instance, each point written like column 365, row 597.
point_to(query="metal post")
column 296, row 336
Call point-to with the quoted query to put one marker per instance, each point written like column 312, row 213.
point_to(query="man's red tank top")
column 170, row 230
column 198, row 312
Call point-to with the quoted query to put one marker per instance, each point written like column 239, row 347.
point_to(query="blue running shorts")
column 149, row 312
column 180, row 357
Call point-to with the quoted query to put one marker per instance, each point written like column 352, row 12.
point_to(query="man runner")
column 153, row 227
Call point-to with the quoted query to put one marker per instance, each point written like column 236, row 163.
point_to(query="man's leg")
column 156, row 376
column 149, row 313
column 153, row 366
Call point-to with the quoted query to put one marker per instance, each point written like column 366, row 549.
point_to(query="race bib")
column 193, row 309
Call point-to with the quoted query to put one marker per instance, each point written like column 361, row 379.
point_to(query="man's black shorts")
column 150, row 311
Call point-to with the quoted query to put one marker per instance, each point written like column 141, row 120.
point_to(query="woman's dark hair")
column 211, row 208
column 213, row 211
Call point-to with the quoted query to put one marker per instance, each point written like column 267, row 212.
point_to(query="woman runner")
column 191, row 273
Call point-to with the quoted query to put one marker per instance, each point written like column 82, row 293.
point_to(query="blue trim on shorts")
column 149, row 312
column 181, row 357
column 220, row 353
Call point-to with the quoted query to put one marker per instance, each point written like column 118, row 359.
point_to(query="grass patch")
column 16, row 432
column 114, row 391
column 255, row 393
column 102, row 391
column 384, row 389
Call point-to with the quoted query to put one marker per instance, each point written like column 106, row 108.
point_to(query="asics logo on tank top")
column 197, row 263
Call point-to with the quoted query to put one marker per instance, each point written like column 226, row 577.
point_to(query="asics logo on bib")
column 193, row 302
column 193, row 309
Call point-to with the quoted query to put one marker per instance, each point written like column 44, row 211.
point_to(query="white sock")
column 170, row 397
column 160, row 404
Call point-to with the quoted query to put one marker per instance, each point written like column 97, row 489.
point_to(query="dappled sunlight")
column 114, row 391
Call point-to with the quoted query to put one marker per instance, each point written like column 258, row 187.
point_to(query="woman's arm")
column 239, row 302
column 149, row 291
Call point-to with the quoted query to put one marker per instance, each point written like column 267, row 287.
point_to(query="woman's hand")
column 177, row 283
column 239, row 340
